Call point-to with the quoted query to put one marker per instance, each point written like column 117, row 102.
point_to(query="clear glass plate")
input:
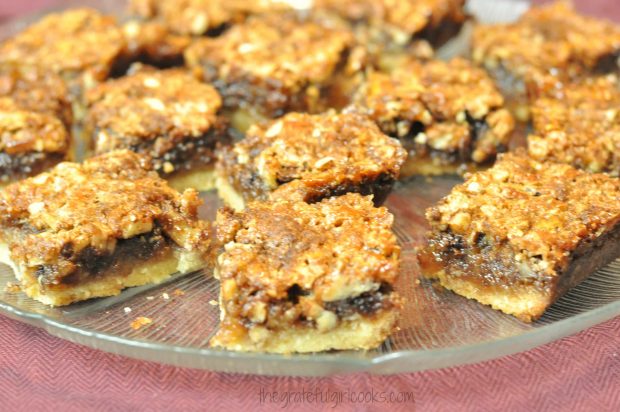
column 437, row 328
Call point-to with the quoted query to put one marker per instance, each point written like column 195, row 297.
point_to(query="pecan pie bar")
column 434, row 20
column 81, row 45
column 167, row 114
column 87, row 230
column 522, row 233
column 309, row 157
column 579, row 123
column 547, row 39
column 30, row 142
column 298, row 277
column 36, row 90
column 201, row 17
column 152, row 43
column 449, row 115
column 279, row 63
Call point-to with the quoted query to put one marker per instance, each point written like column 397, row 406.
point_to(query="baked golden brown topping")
column 151, row 42
column 275, row 63
column 546, row 38
column 449, row 109
column 23, row 131
column 311, row 156
column 49, row 219
column 330, row 247
column 411, row 17
column 579, row 124
column 36, row 90
column 197, row 17
column 155, row 112
column 295, row 267
column 72, row 43
column 541, row 212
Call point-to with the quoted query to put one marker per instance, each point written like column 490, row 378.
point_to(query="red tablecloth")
column 39, row 372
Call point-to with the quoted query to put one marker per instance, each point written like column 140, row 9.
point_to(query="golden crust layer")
column 197, row 17
column 275, row 63
column 451, row 109
column 50, row 218
column 288, row 265
column 548, row 37
column 71, row 43
column 541, row 212
column 578, row 123
column 310, row 156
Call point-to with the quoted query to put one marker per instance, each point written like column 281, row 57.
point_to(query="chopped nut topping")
column 575, row 123
column 289, row 156
column 92, row 206
column 546, row 38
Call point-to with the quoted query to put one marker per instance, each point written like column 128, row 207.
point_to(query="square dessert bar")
column 578, row 123
column 547, row 39
column 201, row 17
column 449, row 115
column 519, row 235
column 167, row 114
column 88, row 230
column 279, row 63
column 81, row 45
column 434, row 20
column 309, row 157
column 298, row 277
column 152, row 43
column 36, row 90
column 30, row 142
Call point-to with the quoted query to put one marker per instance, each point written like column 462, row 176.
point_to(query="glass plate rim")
column 401, row 361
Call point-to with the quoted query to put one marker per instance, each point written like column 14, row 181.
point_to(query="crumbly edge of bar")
column 518, row 297
column 360, row 333
column 108, row 284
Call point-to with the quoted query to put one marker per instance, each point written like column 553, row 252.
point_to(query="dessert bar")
column 309, row 157
column 87, row 230
column 153, row 44
column 546, row 39
column 448, row 115
column 279, row 63
column 434, row 20
column 519, row 235
column 36, row 90
column 81, row 45
column 298, row 277
column 578, row 123
column 30, row 142
column 167, row 114
column 201, row 17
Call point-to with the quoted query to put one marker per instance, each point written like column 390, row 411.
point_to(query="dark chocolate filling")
column 19, row 166
column 90, row 262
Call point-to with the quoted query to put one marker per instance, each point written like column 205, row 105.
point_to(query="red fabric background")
column 39, row 372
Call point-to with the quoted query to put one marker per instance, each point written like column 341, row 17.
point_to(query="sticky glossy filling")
column 90, row 262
